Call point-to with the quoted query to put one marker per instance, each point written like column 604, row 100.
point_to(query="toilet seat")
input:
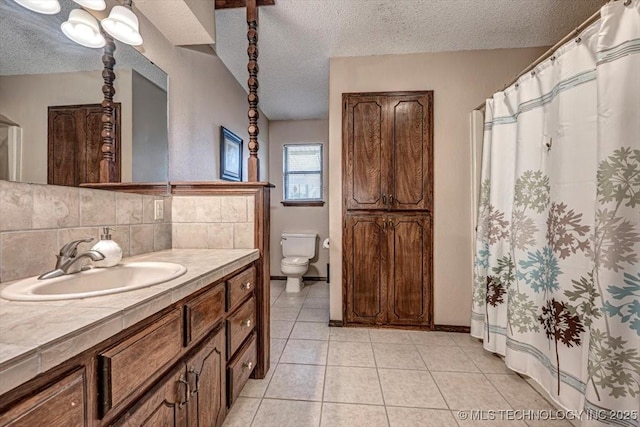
column 297, row 260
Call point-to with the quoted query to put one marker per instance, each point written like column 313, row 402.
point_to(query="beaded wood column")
column 108, row 168
column 252, row 67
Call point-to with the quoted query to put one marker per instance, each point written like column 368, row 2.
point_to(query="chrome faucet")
column 68, row 259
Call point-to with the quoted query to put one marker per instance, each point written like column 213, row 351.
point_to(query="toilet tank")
column 299, row 244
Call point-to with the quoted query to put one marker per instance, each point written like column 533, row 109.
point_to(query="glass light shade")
column 83, row 29
column 122, row 24
column 92, row 4
column 48, row 7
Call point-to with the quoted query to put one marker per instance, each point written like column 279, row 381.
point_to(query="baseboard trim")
column 452, row 328
column 335, row 323
column 310, row 278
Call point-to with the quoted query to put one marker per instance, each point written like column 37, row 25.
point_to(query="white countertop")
column 37, row 336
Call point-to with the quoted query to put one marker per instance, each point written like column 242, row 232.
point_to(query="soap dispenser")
column 111, row 250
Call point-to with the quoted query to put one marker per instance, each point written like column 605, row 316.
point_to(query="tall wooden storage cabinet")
column 388, row 202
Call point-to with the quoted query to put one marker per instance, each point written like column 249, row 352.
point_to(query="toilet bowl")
column 297, row 249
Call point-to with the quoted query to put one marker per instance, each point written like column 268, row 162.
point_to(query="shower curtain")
column 557, row 266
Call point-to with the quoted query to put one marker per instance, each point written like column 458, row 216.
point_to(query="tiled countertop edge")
column 25, row 366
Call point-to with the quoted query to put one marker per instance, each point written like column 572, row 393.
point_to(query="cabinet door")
column 61, row 404
column 207, row 385
column 164, row 405
column 365, row 262
column 410, row 288
column 411, row 146
column 366, row 152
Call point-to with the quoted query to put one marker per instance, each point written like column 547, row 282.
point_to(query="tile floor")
column 343, row 377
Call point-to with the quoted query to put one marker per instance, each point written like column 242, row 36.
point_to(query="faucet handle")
column 71, row 249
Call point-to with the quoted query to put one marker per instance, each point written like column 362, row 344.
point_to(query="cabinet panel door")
column 410, row 270
column 366, row 151
column 162, row 405
column 207, row 385
column 411, row 145
column 366, row 269
column 61, row 404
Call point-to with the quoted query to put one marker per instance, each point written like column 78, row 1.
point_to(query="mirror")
column 40, row 68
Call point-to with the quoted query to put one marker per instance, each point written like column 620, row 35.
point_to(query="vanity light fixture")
column 83, row 29
column 122, row 24
column 48, row 7
column 92, row 4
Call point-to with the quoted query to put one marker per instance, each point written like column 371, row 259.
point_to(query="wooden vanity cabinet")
column 63, row 403
column 183, row 366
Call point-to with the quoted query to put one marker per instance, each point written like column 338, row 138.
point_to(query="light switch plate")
column 158, row 211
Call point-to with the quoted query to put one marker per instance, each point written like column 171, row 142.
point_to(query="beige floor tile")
column 486, row 421
column 390, row 336
column 310, row 331
column 273, row 300
column 285, row 313
column 256, row 388
column 314, row 315
column 242, row 412
column 352, row 385
column 277, row 347
column 306, row 352
column 465, row 340
column 446, row 358
column 319, row 290
column 348, row 415
column 415, row 417
column 486, row 361
column 351, row 354
column 312, row 302
column 469, row 391
column 431, row 338
column 287, row 301
column 399, row 356
column 410, row 388
column 349, row 334
column 281, row 328
column 301, row 382
column 517, row 392
column 287, row 413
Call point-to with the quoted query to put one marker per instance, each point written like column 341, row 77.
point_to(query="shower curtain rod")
column 593, row 18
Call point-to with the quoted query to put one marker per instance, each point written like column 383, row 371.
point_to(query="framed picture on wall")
column 230, row 155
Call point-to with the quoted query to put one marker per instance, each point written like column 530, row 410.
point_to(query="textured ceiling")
column 32, row 43
column 297, row 38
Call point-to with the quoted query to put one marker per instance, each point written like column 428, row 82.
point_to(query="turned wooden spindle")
column 108, row 168
column 252, row 67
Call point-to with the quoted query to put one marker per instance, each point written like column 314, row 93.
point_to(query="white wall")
column 298, row 219
column 24, row 99
column 460, row 81
column 203, row 95
column 150, row 148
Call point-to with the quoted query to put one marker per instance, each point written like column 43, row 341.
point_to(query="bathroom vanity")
column 173, row 354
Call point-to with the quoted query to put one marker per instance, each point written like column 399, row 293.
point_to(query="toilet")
column 297, row 250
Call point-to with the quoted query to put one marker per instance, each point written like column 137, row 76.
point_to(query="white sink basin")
column 94, row 282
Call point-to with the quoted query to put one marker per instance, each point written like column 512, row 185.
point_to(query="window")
column 303, row 173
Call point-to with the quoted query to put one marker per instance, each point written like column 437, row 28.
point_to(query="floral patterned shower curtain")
column 557, row 266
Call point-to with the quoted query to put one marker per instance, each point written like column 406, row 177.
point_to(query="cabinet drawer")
column 240, row 369
column 202, row 313
column 59, row 405
column 239, row 326
column 240, row 286
column 128, row 365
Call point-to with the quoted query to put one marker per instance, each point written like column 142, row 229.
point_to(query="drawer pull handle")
column 196, row 374
column 184, row 401
column 246, row 323
column 246, row 286
column 247, row 365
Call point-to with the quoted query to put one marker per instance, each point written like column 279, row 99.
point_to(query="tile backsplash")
column 36, row 220
column 213, row 222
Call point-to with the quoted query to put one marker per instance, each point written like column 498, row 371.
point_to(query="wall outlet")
column 158, row 211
